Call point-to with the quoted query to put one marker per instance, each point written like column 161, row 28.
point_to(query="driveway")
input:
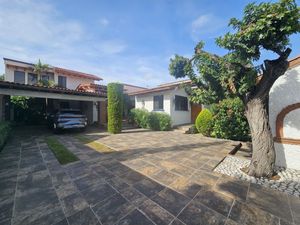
column 148, row 178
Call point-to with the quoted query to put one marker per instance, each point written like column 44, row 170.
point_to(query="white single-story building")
column 284, row 116
column 170, row 98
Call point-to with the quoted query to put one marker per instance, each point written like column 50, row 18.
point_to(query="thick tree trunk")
column 263, row 158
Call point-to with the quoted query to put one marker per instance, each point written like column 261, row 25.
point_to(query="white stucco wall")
column 286, row 91
column 146, row 101
column 72, row 81
column 291, row 124
column 178, row 117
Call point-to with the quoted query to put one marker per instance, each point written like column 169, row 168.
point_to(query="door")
column 196, row 109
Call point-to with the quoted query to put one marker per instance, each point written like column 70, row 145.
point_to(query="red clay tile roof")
column 59, row 90
column 162, row 87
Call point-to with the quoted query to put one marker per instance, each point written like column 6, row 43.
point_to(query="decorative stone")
column 289, row 181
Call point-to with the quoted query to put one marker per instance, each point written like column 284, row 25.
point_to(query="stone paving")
column 150, row 178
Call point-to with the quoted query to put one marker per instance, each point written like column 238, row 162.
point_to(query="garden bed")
column 289, row 181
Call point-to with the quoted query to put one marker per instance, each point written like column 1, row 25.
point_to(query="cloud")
column 110, row 47
column 104, row 22
column 32, row 30
column 206, row 24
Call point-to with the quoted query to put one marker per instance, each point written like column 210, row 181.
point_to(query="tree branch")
column 273, row 69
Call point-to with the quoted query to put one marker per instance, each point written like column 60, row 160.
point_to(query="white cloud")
column 104, row 22
column 206, row 24
column 110, row 47
column 32, row 30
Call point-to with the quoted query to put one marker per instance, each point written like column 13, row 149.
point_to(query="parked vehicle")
column 67, row 119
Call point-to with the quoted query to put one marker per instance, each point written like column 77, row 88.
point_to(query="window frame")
column 64, row 83
column 30, row 81
column 160, row 104
column 24, row 76
column 179, row 105
column 47, row 76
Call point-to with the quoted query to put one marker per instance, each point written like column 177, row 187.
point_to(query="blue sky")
column 127, row 41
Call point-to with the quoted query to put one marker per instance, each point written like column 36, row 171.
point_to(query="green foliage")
column 264, row 26
column 46, row 83
column 20, row 101
column 63, row 155
column 159, row 121
column 203, row 122
column 28, row 110
column 115, row 107
column 5, row 130
column 40, row 68
column 229, row 121
column 154, row 120
column 2, row 77
column 140, row 117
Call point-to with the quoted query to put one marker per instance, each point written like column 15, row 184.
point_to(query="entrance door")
column 196, row 109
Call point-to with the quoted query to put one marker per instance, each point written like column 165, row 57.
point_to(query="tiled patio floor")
column 150, row 178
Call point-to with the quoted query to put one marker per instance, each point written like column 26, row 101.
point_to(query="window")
column 48, row 76
column 32, row 78
column 19, row 77
column 158, row 102
column 62, row 81
column 181, row 103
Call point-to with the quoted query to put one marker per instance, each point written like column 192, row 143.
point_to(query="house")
column 72, row 89
column 170, row 98
column 284, row 116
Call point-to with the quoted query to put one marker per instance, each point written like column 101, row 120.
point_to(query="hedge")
column 154, row 120
column 229, row 121
column 140, row 117
column 115, row 107
column 159, row 121
column 5, row 129
column 203, row 122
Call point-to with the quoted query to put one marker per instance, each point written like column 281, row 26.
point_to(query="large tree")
column 264, row 27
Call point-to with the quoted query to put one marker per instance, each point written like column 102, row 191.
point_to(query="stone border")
column 289, row 181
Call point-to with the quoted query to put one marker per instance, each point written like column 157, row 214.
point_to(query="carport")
column 92, row 104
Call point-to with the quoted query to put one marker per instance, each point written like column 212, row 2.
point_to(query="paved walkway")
column 150, row 178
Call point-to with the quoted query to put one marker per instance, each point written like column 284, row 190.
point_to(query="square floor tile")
column 201, row 215
column 171, row 200
column 97, row 194
column 216, row 201
column 271, row 201
column 156, row 213
column 112, row 209
column 135, row 218
column 148, row 187
column 85, row 216
column 243, row 213
column 73, row 203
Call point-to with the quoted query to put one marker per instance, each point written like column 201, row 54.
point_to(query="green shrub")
column 154, row 120
column 229, row 121
column 115, row 107
column 204, row 122
column 140, row 117
column 5, row 129
column 159, row 121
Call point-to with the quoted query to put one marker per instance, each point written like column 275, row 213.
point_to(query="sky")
column 128, row 41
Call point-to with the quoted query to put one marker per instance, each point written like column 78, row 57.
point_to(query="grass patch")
column 93, row 144
column 62, row 154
